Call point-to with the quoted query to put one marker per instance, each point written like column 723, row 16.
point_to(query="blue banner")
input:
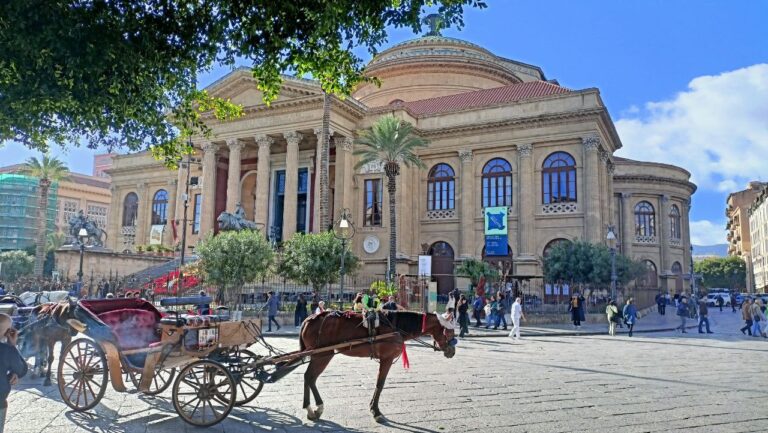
column 496, row 245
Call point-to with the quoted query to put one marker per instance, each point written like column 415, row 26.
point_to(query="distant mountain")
column 718, row 250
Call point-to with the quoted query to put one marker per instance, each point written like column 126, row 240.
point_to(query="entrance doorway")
column 278, row 204
column 442, row 266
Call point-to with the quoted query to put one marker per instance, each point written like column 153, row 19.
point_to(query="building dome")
column 432, row 66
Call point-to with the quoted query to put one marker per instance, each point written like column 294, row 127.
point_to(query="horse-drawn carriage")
column 129, row 340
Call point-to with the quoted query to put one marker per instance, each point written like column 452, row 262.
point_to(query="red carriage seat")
column 134, row 328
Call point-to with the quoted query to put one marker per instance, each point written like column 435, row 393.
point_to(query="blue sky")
column 685, row 81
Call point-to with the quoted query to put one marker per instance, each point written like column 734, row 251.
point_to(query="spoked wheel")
column 203, row 394
column 82, row 374
column 237, row 362
column 162, row 379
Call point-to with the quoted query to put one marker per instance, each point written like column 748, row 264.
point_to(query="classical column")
column 113, row 223
column 233, row 173
column 592, row 189
column 663, row 228
column 208, row 209
column 319, row 160
column 291, row 183
column 627, row 224
column 526, row 225
column 344, row 176
column 610, row 168
column 142, row 225
column 262, row 182
column 170, row 211
column 467, row 205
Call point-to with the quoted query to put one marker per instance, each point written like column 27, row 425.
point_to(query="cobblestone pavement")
column 660, row 382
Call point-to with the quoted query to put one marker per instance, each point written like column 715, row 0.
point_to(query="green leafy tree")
column 47, row 171
column 475, row 269
column 15, row 264
column 383, row 290
column 234, row 258
column 722, row 272
column 392, row 142
column 315, row 259
column 123, row 72
column 584, row 263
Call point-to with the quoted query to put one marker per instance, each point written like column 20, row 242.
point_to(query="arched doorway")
column 650, row 279
column 677, row 271
column 442, row 266
column 505, row 266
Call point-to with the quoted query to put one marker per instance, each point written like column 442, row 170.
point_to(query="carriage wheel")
column 236, row 364
column 203, row 394
column 82, row 374
column 162, row 379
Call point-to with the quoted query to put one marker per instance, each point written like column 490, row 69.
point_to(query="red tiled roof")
column 483, row 98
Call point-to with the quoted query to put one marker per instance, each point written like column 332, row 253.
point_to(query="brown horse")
column 49, row 325
column 327, row 329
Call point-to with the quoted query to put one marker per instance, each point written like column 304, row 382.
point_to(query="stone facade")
column 758, row 230
column 738, row 230
column 500, row 133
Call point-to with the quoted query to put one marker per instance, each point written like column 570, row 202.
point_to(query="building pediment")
column 240, row 87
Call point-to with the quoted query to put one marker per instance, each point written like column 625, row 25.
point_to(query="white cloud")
column 705, row 232
column 717, row 129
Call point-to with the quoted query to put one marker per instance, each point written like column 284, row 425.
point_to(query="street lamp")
column 82, row 237
column 611, row 238
column 185, row 199
column 344, row 230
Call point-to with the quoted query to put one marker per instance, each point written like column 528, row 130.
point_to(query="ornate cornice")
column 465, row 155
column 293, row 137
column 653, row 179
column 525, row 150
column 591, row 142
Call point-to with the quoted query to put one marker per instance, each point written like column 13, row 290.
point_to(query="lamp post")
column 82, row 237
column 344, row 230
column 185, row 197
column 611, row 238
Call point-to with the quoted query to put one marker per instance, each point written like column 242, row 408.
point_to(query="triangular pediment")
column 239, row 86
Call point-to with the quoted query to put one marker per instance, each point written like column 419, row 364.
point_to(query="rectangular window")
column 373, row 201
column 69, row 210
column 97, row 214
column 196, row 217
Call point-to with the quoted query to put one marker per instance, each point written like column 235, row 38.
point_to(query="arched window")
column 160, row 207
column 674, row 222
column 497, row 183
column 558, row 179
column 677, row 270
column 645, row 219
column 552, row 244
column 441, row 188
column 649, row 279
column 130, row 209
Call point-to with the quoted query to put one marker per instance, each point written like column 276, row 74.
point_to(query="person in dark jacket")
column 273, row 305
column 576, row 306
column 501, row 310
column 12, row 365
column 720, row 302
column 477, row 309
column 682, row 312
column 463, row 310
column 704, row 316
column 301, row 311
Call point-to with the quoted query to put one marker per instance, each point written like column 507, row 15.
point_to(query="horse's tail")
column 104, row 232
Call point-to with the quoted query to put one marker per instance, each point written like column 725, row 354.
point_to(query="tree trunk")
column 42, row 227
column 392, row 169
column 324, row 218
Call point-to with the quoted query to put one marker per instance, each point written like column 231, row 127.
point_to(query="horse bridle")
column 434, row 346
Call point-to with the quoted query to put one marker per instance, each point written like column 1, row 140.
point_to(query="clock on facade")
column 371, row 244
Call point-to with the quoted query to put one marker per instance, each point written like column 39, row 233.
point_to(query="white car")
column 712, row 299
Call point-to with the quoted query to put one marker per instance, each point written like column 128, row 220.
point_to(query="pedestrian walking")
column 463, row 309
column 477, row 309
column 575, row 308
column 746, row 315
column 682, row 312
column 301, row 311
column 719, row 301
column 660, row 300
column 501, row 311
column 273, row 305
column 516, row 313
column 630, row 314
column 733, row 302
column 12, row 365
column 704, row 316
column 612, row 312
column 490, row 312
column 758, row 319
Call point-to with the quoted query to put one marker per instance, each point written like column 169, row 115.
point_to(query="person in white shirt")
column 517, row 315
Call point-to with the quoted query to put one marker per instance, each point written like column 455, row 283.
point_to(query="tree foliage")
column 234, row 258
column 15, row 264
column 581, row 262
column 315, row 259
column 722, row 272
column 123, row 72
column 474, row 269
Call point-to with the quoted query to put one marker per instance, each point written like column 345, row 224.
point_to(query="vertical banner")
column 496, row 229
column 425, row 266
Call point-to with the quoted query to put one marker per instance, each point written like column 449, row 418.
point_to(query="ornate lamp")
column 344, row 230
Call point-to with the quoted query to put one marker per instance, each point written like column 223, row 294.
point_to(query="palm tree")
column 47, row 171
column 390, row 141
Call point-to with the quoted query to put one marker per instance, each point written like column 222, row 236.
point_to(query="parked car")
column 712, row 299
